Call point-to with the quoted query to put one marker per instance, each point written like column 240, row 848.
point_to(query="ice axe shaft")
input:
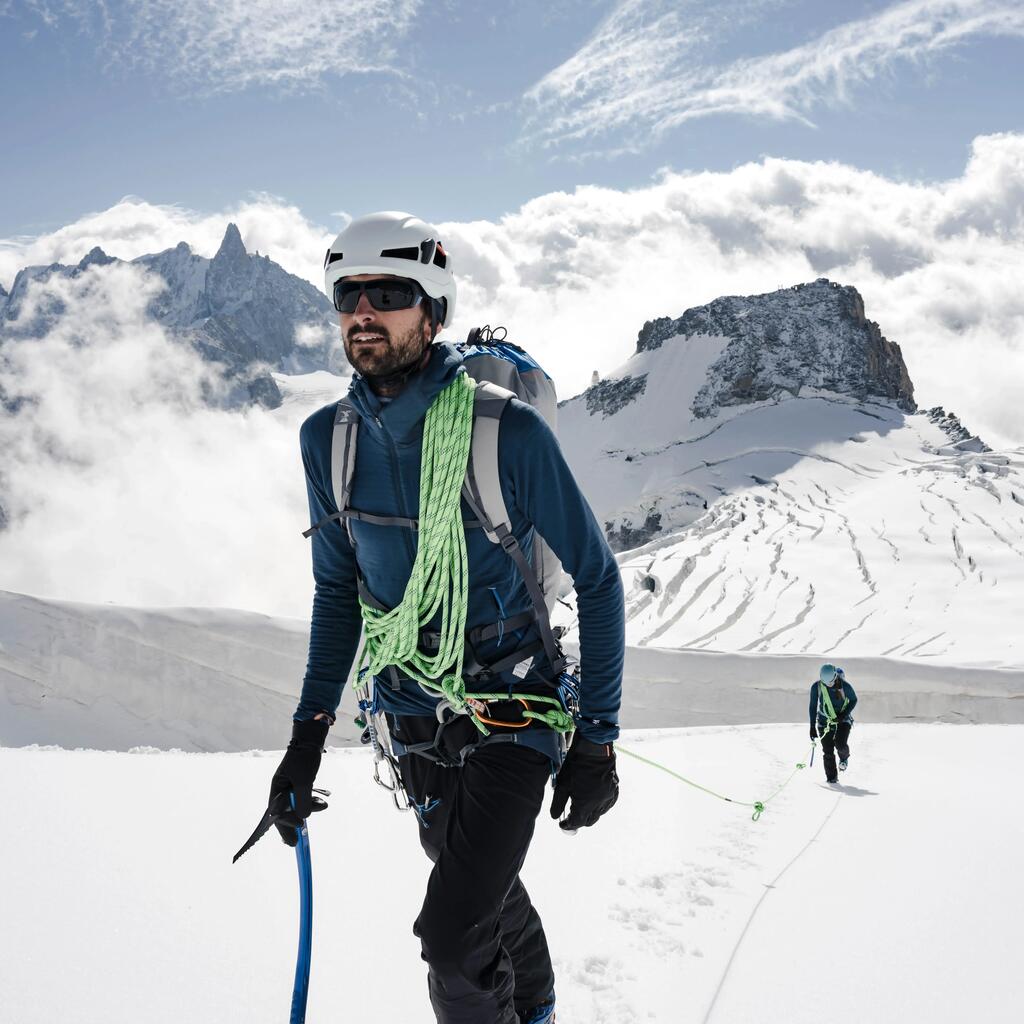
column 300, row 991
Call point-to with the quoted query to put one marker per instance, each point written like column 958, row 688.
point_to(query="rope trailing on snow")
column 757, row 806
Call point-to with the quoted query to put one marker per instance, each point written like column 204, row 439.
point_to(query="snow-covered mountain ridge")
column 772, row 489
column 239, row 310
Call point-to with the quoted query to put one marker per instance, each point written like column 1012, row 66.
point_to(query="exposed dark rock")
column 609, row 396
column 808, row 336
column 958, row 434
column 625, row 536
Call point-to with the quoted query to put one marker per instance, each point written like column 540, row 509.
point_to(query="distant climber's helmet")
column 828, row 674
column 398, row 244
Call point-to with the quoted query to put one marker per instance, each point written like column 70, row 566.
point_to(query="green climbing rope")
column 757, row 806
column 439, row 578
column 440, row 575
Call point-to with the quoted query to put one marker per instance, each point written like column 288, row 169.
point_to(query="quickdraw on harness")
column 828, row 708
column 459, row 461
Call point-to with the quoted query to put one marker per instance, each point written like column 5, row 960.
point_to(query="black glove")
column 296, row 774
column 588, row 777
column 814, row 733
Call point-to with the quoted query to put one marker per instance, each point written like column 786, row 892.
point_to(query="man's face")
column 379, row 343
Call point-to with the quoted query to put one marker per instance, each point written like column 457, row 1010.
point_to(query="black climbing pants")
column 837, row 739
column 481, row 937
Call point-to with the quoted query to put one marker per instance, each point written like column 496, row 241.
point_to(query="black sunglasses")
column 384, row 295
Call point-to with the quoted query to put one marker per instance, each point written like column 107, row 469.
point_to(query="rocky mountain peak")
column 232, row 248
column 812, row 335
column 95, row 257
column 235, row 310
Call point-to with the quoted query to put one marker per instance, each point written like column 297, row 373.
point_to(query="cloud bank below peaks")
column 119, row 483
column 574, row 276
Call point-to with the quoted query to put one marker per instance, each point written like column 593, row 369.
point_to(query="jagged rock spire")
column 232, row 248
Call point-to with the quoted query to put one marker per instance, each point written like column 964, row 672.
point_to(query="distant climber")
column 831, row 710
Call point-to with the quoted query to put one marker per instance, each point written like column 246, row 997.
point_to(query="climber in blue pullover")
column 483, row 941
column 831, row 710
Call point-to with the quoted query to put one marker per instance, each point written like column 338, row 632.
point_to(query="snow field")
column 900, row 888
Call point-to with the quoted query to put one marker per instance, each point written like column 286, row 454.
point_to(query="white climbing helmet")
column 394, row 243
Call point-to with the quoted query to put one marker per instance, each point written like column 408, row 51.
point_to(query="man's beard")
column 390, row 362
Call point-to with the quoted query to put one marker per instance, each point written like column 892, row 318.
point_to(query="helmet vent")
column 408, row 253
column 440, row 257
column 333, row 257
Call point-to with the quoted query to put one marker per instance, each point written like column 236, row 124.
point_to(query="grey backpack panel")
column 533, row 387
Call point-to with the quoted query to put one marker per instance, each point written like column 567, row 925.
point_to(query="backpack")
column 502, row 371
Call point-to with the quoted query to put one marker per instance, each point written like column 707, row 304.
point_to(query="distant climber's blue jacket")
column 840, row 692
column 539, row 491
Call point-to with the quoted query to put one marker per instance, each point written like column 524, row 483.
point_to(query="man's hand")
column 295, row 775
column 814, row 733
column 589, row 779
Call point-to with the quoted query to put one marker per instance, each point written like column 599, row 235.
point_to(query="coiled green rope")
column 440, row 573
column 440, row 577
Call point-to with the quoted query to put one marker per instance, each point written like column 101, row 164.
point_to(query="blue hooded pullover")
column 540, row 494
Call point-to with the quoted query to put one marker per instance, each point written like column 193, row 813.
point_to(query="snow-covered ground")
column 820, row 524
column 895, row 898
column 112, row 678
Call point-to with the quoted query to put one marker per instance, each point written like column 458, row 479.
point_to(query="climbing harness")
column 757, row 806
column 826, row 705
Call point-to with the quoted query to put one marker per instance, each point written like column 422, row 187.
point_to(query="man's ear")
column 428, row 336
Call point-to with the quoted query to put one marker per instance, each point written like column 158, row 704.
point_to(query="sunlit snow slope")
column 817, row 522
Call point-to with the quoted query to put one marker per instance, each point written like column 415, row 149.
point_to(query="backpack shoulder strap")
column 343, row 463
column 343, row 452
column 482, row 488
column 826, row 702
column 482, row 492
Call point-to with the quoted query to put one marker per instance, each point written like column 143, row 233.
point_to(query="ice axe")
column 300, row 990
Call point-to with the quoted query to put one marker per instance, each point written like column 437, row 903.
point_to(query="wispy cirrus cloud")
column 642, row 68
column 225, row 47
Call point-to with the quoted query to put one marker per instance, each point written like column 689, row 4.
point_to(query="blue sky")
column 462, row 111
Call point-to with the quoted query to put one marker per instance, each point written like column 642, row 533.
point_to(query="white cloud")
column 120, row 485
column 124, row 487
column 574, row 276
column 643, row 67
column 221, row 47
column 134, row 227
